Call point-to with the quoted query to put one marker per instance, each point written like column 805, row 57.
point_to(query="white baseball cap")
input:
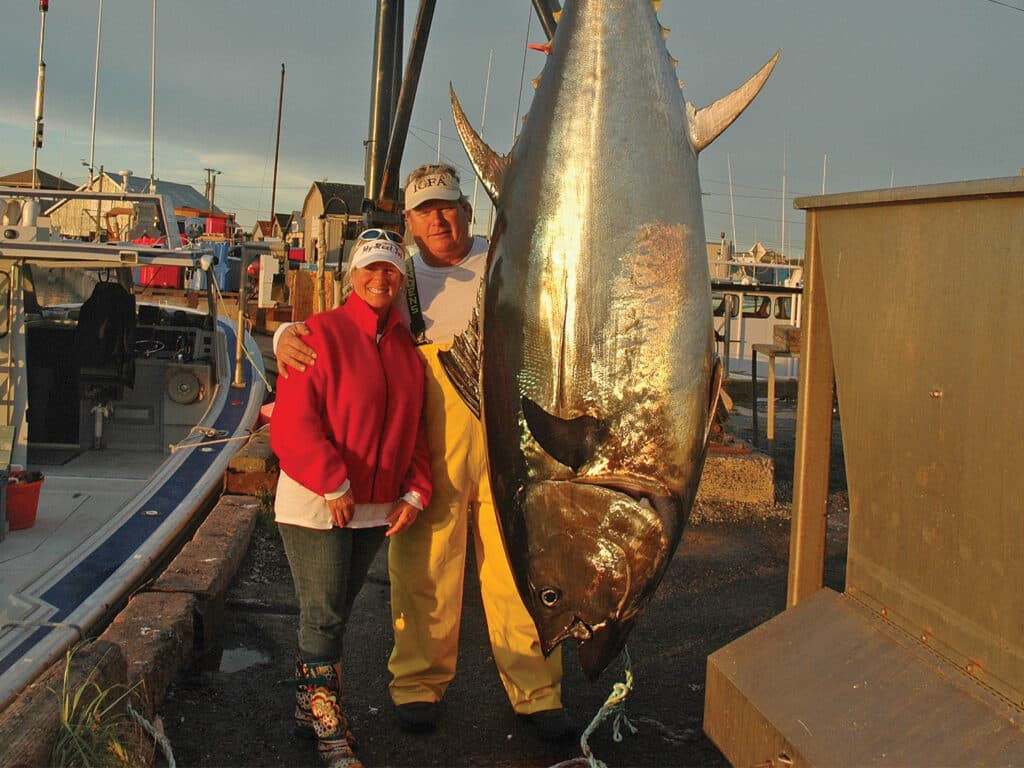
column 434, row 186
column 368, row 252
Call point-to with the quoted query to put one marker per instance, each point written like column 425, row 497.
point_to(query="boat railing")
column 746, row 313
column 25, row 212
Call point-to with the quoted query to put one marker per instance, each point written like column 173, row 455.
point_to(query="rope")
column 206, row 432
column 53, row 624
column 614, row 706
column 157, row 736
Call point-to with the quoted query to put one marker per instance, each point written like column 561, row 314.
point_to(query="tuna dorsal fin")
column 569, row 441
column 488, row 164
column 708, row 123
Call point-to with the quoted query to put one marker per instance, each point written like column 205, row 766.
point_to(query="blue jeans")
column 328, row 569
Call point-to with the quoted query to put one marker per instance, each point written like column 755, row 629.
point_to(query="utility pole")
column 277, row 147
column 211, row 185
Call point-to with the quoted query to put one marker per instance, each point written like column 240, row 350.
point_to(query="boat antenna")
column 783, row 246
column 95, row 88
column 37, row 140
column 277, row 148
column 732, row 203
column 152, row 107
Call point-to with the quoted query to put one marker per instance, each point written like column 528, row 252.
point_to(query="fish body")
column 598, row 373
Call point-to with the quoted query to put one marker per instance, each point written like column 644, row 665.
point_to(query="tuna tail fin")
column 488, row 164
column 569, row 441
column 707, row 124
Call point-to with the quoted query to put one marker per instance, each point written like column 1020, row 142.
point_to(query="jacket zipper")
column 383, row 423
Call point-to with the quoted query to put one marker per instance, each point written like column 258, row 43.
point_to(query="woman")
column 354, row 468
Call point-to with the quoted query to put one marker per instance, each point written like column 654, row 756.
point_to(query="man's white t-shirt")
column 448, row 294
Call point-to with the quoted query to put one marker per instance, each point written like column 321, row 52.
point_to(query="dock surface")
column 728, row 576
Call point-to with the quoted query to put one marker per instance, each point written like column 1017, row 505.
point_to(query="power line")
column 1007, row 5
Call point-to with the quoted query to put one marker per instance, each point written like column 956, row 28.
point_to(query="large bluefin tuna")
column 598, row 371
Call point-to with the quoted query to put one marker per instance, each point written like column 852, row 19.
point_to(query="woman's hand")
column 292, row 352
column 402, row 516
column 342, row 508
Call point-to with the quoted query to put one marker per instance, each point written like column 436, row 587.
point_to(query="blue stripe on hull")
column 86, row 578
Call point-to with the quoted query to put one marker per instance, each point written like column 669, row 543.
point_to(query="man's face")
column 441, row 230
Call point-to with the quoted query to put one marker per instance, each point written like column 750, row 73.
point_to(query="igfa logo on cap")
column 437, row 180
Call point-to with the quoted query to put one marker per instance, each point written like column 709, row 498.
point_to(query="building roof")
column 179, row 195
column 46, row 180
column 266, row 228
column 341, row 198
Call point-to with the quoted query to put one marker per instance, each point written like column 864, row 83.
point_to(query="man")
column 427, row 561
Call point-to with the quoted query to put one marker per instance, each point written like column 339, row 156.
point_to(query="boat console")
column 173, row 359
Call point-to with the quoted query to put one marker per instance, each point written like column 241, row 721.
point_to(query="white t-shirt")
column 448, row 294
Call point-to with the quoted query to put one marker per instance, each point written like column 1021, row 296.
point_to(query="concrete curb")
column 173, row 625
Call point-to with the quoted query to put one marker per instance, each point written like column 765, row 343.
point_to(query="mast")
column 483, row 125
column 37, row 136
column 95, row 90
column 152, row 108
column 277, row 148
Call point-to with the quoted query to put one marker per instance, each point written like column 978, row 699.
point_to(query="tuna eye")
column 550, row 596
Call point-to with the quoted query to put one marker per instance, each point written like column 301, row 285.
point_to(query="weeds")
column 265, row 514
column 93, row 724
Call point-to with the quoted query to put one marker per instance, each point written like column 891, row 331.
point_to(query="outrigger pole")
column 389, row 119
column 546, row 10
column 37, row 135
column 387, row 192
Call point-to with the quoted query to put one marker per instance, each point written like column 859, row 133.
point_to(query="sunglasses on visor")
column 377, row 234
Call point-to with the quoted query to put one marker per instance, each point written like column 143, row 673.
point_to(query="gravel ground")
column 728, row 576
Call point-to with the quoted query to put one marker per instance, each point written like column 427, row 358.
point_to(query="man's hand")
column 292, row 351
column 402, row 516
column 342, row 508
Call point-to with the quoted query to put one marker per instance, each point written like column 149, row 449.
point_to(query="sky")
column 867, row 95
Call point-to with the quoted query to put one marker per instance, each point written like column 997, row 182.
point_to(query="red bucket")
column 22, row 503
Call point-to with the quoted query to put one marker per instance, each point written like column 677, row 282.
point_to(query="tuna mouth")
column 642, row 490
column 598, row 645
column 578, row 630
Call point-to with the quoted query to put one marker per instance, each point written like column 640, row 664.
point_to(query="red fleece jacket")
column 356, row 413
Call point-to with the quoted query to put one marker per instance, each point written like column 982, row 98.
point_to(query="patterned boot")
column 303, row 714
column 323, row 687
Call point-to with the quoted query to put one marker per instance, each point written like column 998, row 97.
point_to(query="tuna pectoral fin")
column 708, row 123
column 569, row 441
column 488, row 164
column 714, row 395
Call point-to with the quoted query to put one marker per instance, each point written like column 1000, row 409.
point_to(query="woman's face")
column 377, row 284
